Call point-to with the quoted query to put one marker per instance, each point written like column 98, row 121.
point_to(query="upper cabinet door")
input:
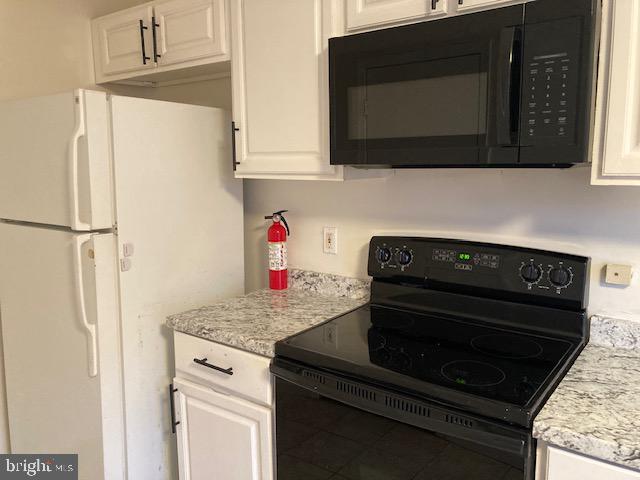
column 122, row 42
column 616, row 152
column 189, row 29
column 370, row 13
column 464, row 5
column 280, row 87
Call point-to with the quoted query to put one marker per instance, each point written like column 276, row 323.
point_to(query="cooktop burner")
column 473, row 373
column 380, row 342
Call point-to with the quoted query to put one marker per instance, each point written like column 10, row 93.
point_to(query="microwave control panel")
column 551, row 72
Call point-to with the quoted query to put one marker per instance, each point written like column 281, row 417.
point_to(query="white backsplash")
column 552, row 209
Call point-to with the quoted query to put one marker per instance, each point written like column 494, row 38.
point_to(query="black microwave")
column 508, row 87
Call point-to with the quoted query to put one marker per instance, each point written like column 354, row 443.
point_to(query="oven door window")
column 319, row 438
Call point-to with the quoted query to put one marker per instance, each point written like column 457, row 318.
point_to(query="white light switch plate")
column 618, row 274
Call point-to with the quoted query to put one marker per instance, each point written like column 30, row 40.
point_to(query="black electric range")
column 464, row 341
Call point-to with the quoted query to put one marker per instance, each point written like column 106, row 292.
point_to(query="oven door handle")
column 508, row 86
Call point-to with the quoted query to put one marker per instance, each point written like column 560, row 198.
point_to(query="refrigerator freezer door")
column 61, row 349
column 180, row 223
column 55, row 161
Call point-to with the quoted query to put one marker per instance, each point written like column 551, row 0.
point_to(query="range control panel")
column 482, row 266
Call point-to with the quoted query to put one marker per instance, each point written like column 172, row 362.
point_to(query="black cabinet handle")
column 460, row 2
column 144, row 50
column 234, row 129
column 173, row 408
column 203, row 362
column 155, row 25
column 434, row 4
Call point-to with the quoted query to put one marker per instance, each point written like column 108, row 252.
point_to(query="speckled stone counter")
column 255, row 322
column 596, row 408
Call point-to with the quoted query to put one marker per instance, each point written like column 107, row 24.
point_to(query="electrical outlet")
column 330, row 240
column 618, row 274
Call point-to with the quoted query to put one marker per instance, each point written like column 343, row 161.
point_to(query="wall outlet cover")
column 330, row 240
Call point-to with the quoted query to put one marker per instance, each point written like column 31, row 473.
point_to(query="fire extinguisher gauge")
column 277, row 217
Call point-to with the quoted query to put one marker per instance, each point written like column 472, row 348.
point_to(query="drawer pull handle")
column 203, row 361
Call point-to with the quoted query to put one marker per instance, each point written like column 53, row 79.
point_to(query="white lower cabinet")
column 220, row 436
column 557, row 464
column 222, row 412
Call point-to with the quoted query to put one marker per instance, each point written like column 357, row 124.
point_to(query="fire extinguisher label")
column 277, row 256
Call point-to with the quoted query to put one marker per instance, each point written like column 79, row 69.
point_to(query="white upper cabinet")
column 188, row 30
column 616, row 150
column 465, row 5
column 371, row 13
column 146, row 41
column 118, row 41
column 280, row 87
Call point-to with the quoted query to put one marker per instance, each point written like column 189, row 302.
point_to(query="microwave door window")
column 435, row 103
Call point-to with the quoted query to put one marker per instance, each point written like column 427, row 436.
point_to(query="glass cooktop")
column 417, row 351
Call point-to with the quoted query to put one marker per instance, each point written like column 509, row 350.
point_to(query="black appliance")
column 441, row 374
column 508, row 87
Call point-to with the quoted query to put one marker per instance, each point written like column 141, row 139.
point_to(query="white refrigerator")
column 116, row 212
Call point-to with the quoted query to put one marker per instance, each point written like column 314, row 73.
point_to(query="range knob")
column 384, row 255
column 404, row 257
column 560, row 277
column 530, row 273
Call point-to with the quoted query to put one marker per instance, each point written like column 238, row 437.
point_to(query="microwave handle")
column 508, row 91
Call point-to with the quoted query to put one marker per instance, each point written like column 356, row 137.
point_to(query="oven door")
column 439, row 93
column 331, row 427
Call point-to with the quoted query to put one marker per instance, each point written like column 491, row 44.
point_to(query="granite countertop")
column 256, row 321
column 594, row 411
column 596, row 408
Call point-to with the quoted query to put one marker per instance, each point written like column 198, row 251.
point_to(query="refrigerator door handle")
column 78, row 241
column 79, row 132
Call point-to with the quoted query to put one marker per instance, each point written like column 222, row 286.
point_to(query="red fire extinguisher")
column 277, row 238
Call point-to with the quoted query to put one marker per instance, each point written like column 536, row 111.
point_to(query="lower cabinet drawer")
column 563, row 465
column 224, row 368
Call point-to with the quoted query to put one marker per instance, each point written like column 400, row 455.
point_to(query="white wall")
column 45, row 45
column 555, row 209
